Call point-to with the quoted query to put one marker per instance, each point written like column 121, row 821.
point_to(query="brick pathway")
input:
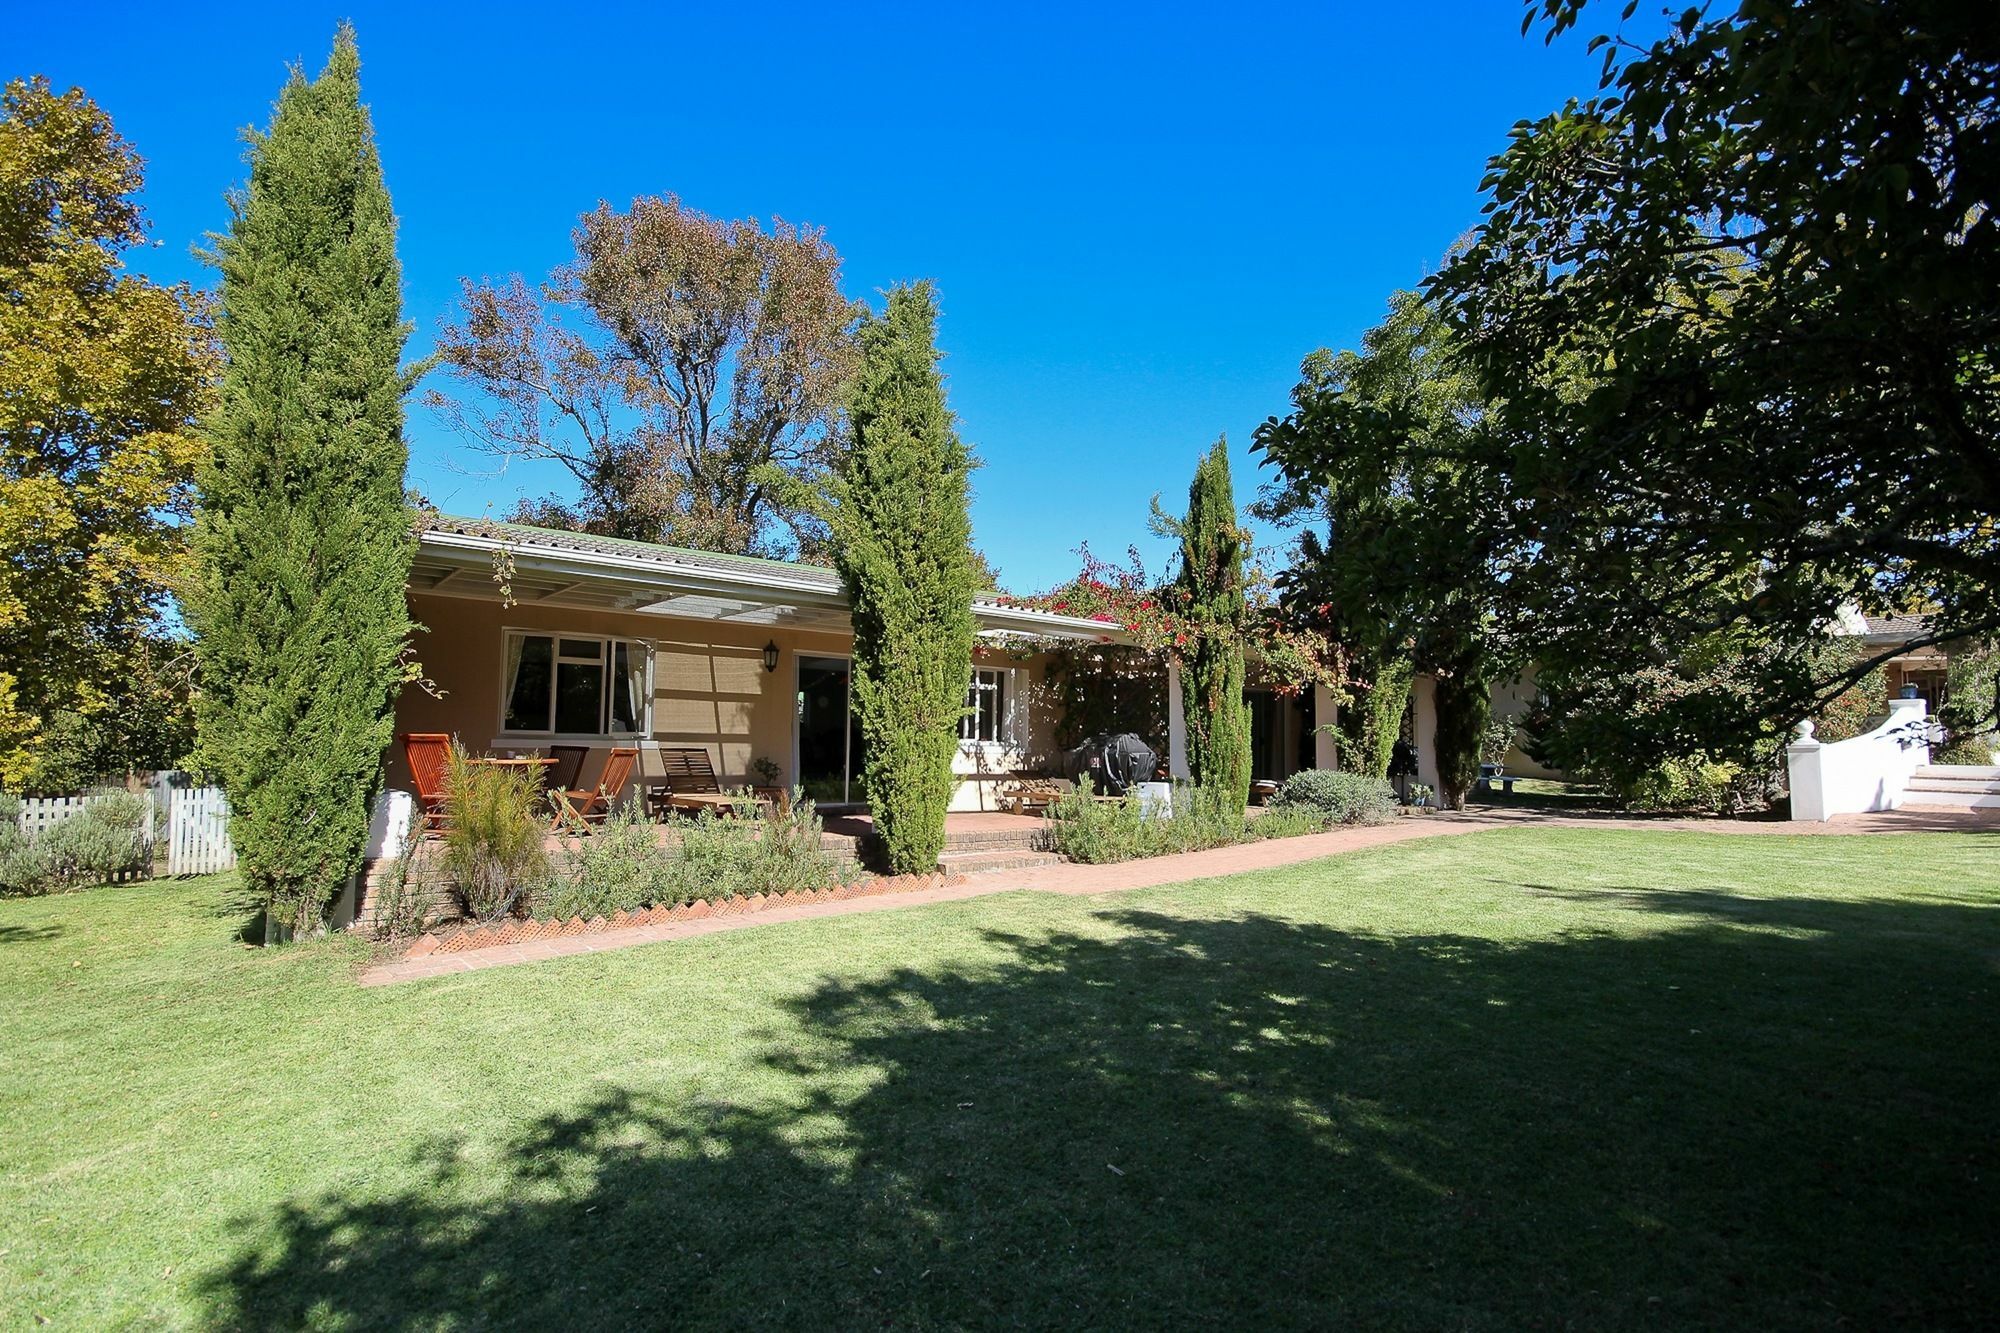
column 1082, row 880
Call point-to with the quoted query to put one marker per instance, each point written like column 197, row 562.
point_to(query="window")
column 575, row 685
column 985, row 707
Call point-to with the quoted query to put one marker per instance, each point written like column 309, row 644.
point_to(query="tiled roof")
column 1905, row 626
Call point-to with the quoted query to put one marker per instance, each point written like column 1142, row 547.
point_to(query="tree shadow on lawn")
column 1254, row 1120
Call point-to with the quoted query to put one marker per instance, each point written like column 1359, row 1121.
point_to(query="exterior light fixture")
column 771, row 656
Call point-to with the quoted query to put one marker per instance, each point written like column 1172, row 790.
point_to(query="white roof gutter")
column 679, row 576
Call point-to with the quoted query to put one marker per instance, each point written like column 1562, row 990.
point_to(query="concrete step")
column 1960, row 772
column 982, row 862
column 1952, row 782
column 1962, row 798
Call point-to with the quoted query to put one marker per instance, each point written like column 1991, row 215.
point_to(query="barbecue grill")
column 1112, row 763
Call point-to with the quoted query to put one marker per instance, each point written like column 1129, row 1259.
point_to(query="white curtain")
column 514, row 643
column 629, row 674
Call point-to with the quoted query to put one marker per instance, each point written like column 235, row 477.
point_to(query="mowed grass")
column 1526, row 1077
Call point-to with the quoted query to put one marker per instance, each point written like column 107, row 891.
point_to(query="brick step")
column 1023, row 840
column 979, row 862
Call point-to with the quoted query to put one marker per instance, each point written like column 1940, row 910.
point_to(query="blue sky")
column 1140, row 218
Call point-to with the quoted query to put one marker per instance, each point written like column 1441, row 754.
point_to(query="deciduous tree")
column 671, row 368
column 1766, row 253
column 1378, row 446
column 304, row 537
column 102, row 377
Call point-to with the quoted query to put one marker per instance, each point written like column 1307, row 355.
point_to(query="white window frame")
column 1002, row 681
column 605, row 643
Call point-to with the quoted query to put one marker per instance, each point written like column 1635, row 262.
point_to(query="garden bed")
column 466, row 936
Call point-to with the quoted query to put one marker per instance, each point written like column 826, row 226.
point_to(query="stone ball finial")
column 1805, row 732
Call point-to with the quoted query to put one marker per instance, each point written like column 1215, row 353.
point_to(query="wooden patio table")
column 663, row 799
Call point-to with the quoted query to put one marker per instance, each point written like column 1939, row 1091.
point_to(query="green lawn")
column 1527, row 1077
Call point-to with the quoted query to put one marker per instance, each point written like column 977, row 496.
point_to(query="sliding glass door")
column 829, row 738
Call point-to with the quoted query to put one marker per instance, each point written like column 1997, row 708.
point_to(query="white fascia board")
column 666, row 575
column 774, row 584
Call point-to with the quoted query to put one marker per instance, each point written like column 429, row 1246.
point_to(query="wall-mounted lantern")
column 771, row 656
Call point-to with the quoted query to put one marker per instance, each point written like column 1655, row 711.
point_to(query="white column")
column 1805, row 771
column 1423, row 710
column 1177, row 765
column 1326, row 712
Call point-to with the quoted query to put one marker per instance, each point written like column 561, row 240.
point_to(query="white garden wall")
column 1870, row 772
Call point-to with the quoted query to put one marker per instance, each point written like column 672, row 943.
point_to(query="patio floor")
column 964, row 830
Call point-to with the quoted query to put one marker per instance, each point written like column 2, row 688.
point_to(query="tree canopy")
column 1734, row 320
column 671, row 368
column 1380, row 447
column 102, row 377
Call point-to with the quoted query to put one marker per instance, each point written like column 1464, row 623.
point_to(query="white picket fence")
column 198, row 832
column 197, row 825
column 41, row 813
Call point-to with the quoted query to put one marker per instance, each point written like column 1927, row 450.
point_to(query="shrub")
column 1854, row 710
column 1691, row 783
column 22, row 872
column 492, row 838
column 1342, row 798
column 619, row 867
column 403, row 901
column 1290, row 821
column 624, row 867
column 1098, row 832
column 105, row 839
column 1971, row 713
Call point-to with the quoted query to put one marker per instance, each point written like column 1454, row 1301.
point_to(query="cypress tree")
column 303, row 536
column 904, row 550
column 1218, row 717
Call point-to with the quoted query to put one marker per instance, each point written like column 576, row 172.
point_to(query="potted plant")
column 766, row 771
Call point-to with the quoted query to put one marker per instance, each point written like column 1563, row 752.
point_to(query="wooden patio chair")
column 687, row 781
column 567, row 771
column 428, row 754
column 582, row 808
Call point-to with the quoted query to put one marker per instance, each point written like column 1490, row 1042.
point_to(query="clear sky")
column 1140, row 217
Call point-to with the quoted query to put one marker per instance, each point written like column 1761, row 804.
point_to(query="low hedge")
column 1342, row 798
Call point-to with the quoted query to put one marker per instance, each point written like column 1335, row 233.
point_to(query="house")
column 535, row 637
column 1923, row 667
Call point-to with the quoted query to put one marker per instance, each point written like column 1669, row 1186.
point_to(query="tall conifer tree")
column 1212, row 592
column 903, row 535
column 303, row 536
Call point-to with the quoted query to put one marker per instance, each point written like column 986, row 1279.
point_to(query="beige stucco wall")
column 709, row 689
column 709, row 683
column 1513, row 698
